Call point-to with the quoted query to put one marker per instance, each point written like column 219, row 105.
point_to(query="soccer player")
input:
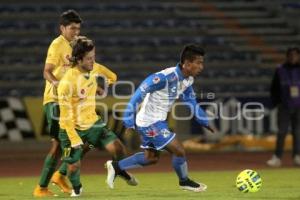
column 157, row 93
column 79, row 122
column 57, row 63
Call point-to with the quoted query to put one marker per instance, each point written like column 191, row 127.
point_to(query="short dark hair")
column 190, row 51
column 291, row 49
column 80, row 46
column 68, row 17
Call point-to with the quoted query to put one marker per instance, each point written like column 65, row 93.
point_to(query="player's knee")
column 74, row 167
column 180, row 153
column 152, row 159
column 86, row 148
column 55, row 150
column 119, row 149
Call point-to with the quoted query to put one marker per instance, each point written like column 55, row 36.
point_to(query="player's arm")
column 275, row 89
column 51, row 62
column 151, row 84
column 189, row 97
column 48, row 74
column 65, row 90
column 110, row 76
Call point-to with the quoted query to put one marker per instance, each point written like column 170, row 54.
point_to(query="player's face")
column 293, row 57
column 194, row 67
column 70, row 31
column 88, row 61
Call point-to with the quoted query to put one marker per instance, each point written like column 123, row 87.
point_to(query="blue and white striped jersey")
column 157, row 93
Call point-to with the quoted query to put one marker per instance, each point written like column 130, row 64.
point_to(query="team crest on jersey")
column 156, row 79
column 165, row 133
column 82, row 94
column 67, row 62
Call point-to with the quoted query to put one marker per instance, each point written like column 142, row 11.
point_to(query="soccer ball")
column 248, row 181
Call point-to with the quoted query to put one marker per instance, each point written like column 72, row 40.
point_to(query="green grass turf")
column 277, row 184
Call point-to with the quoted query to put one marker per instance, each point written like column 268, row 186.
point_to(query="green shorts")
column 98, row 136
column 52, row 115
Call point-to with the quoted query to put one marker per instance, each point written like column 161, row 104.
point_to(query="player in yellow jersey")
column 79, row 121
column 57, row 63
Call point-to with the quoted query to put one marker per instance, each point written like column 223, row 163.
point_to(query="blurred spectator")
column 285, row 94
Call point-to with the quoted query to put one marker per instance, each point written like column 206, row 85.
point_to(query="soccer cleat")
column 274, row 161
column 61, row 181
column 76, row 192
column 131, row 181
column 42, row 192
column 297, row 160
column 192, row 186
column 111, row 174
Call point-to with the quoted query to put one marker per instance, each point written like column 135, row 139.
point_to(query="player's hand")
column 74, row 156
column 100, row 91
column 55, row 83
column 210, row 129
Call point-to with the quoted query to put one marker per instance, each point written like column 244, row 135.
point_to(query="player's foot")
column 42, row 192
column 61, row 181
column 76, row 192
column 129, row 178
column 192, row 186
column 111, row 174
column 297, row 160
column 274, row 161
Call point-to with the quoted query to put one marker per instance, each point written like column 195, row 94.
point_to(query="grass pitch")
column 277, row 184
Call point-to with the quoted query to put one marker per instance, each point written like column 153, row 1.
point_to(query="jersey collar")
column 179, row 73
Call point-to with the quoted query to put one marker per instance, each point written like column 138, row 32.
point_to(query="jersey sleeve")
column 189, row 97
column 53, row 54
column 65, row 91
column 151, row 84
column 101, row 70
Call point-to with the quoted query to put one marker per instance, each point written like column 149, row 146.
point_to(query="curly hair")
column 81, row 45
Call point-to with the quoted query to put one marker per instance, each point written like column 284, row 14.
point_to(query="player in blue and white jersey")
column 157, row 94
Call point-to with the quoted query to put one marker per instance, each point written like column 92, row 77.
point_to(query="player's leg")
column 59, row 177
column 72, row 157
column 296, row 136
column 283, row 118
column 102, row 137
column 50, row 163
column 117, row 150
column 180, row 166
column 140, row 159
column 52, row 112
column 153, row 138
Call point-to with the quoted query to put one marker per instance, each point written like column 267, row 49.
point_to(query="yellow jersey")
column 77, row 99
column 58, row 54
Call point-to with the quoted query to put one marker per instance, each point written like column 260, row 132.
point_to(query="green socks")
column 47, row 171
column 63, row 168
column 74, row 178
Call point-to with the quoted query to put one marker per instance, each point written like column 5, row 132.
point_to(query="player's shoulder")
column 168, row 71
column 98, row 66
column 170, row 74
column 71, row 73
column 58, row 42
